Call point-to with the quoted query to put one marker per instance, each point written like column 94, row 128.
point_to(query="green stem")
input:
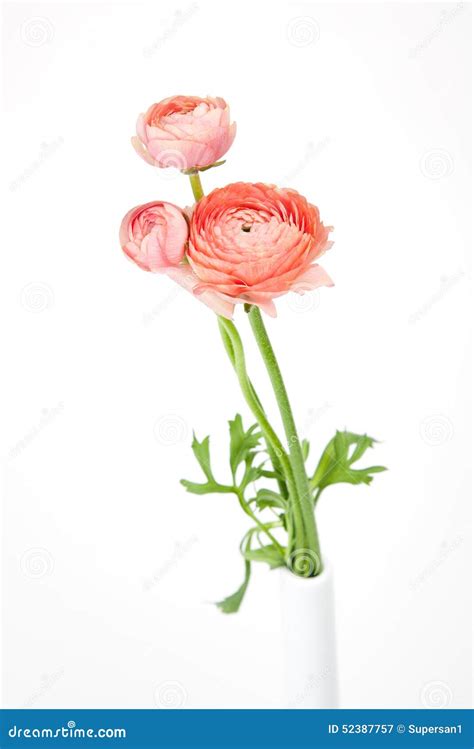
column 196, row 186
column 305, row 524
column 234, row 348
column 198, row 193
column 228, row 328
column 262, row 526
column 271, row 452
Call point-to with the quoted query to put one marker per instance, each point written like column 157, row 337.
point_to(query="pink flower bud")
column 184, row 132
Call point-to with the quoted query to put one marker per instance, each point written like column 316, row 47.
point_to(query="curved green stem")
column 240, row 368
column 271, row 452
column 261, row 526
column 282, row 463
column 305, row 524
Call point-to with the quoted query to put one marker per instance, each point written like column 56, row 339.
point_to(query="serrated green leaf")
column 335, row 465
column 268, row 554
column 201, row 452
column 242, row 443
column 231, row 604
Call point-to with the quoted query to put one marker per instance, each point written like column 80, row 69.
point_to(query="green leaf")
column 202, row 455
column 336, row 463
column 305, row 449
column 231, row 604
column 269, row 474
column 242, row 443
column 201, row 452
column 268, row 498
column 210, row 488
column 211, row 166
column 268, row 554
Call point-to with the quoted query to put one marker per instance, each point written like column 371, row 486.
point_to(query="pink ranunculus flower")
column 155, row 236
column 184, row 132
column 254, row 242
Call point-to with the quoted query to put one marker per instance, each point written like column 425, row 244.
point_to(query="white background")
column 110, row 567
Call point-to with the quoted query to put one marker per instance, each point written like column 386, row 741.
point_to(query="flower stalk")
column 304, row 537
column 196, row 185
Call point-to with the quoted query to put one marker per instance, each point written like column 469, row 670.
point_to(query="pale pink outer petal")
column 176, row 234
column 183, row 154
column 311, row 279
column 133, row 253
column 124, row 233
column 141, row 128
column 267, row 306
column 141, row 151
column 219, row 303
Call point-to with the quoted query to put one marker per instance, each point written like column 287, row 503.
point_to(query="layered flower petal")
column 154, row 236
column 184, row 132
column 218, row 302
column 255, row 242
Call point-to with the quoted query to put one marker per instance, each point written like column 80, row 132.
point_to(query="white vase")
column 309, row 640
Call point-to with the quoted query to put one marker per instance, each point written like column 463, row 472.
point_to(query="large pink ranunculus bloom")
column 155, row 236
column 184, row 132
column 254, row 242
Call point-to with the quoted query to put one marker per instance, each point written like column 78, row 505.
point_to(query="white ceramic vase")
column 309, row 640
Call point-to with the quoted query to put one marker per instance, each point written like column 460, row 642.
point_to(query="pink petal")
column 267, row 306
column 314, row 277
column 185, row 277
column 141, row 151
